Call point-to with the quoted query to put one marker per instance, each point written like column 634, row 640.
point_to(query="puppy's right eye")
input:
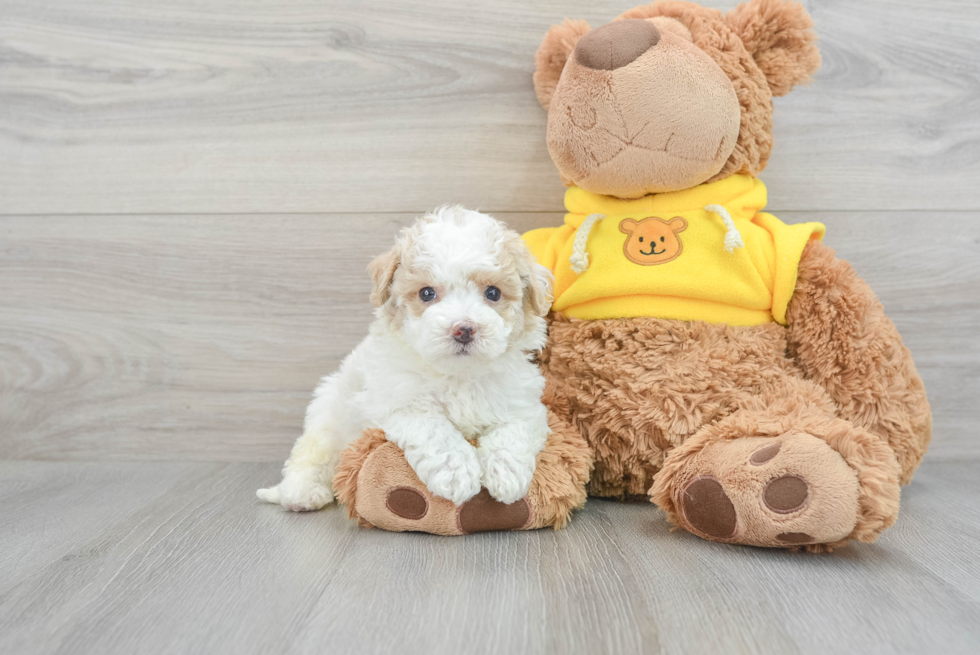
column 427, row 294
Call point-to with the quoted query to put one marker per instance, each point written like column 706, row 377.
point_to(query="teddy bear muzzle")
column 641, row 109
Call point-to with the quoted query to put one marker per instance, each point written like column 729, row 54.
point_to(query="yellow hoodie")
column 703, row 254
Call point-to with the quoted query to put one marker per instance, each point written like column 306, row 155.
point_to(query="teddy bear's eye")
column 427, row 294
column 661, row 239
column 641, row 239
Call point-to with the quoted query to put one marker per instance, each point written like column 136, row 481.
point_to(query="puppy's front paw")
column 298, row 492
column 452, row 474
column 506, row 476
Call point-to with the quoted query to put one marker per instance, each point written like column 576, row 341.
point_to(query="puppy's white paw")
column 269, row 495
column 453, row 474
column 298, row 492
column 506, row 476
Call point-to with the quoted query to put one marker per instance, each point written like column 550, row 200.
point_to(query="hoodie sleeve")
column 789, row 241
column 543, row 244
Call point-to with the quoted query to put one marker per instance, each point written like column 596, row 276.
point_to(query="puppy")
column 460, row 305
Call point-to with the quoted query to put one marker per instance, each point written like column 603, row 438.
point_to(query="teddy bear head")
column 670, row 95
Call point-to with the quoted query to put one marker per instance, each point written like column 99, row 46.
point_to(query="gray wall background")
column 189, row 196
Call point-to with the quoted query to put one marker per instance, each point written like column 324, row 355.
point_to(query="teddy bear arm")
column 839, row 335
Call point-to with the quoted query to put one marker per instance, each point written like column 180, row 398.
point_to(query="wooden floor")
column 137, row 557
column 189, row 193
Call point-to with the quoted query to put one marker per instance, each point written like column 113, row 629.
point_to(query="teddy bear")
column 702, row 354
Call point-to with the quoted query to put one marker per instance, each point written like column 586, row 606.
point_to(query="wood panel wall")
column 189, row 194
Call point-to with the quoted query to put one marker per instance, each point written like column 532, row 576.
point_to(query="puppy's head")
column 461, row 289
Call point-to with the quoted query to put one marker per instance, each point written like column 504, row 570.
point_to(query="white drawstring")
column 580, row 258
column 733, row 238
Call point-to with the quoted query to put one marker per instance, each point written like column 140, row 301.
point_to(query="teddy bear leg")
column 765, row 479
column 841, row 338
column 379, row 489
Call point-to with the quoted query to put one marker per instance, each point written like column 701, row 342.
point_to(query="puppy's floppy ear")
column 537, row 288
column 778, row 34
column 382, row 269
column 536, row 280
column 552, row 54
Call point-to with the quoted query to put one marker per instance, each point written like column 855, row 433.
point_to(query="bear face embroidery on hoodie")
column 653, row 240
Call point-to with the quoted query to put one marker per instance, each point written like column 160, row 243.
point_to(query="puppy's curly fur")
column 460, row 303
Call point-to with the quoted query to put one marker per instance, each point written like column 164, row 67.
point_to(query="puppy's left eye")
column 492, row 293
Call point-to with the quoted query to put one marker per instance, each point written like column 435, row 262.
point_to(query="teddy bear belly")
column 638, row 387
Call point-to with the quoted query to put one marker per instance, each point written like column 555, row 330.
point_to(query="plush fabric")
column 778, row 35
column 552, row 55
column 714, row 35
column 743, row 378
column 617, row 44
column 850, row 477
column 748, row 286
column 656, row 398
column 764, row 47
column 759, row 395
column 373, row 471
column 805, row 494
column 618, row 132
column 841, row 339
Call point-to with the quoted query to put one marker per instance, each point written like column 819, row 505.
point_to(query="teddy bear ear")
column 778, row 34
column 552, row 54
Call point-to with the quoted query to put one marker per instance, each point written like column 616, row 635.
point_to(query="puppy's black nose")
column 463, row 332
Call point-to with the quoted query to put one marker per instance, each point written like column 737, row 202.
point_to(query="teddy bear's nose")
column 617, row 44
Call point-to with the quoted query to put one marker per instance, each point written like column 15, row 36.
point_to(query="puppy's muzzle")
column 463, row 332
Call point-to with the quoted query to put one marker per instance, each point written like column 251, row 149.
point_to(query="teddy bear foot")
column 380, row 489
column 416, row 509
column 391, row 497
column 787, row 490
column 408, row 506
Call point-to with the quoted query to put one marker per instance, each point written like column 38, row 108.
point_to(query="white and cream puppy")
column 460, row 305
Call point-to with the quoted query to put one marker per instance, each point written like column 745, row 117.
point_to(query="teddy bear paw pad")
column 795, row 538
column 407, row 503
column 763, row 455
column 483, row 513
column 709, row 509
column 786, row 494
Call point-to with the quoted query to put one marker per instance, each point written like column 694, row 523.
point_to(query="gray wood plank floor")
column 189, row 194
column 179, row 558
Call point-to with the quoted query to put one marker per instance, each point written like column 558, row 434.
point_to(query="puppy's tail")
column 270, row 495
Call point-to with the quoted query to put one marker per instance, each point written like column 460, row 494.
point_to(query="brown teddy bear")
column 715, row 360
